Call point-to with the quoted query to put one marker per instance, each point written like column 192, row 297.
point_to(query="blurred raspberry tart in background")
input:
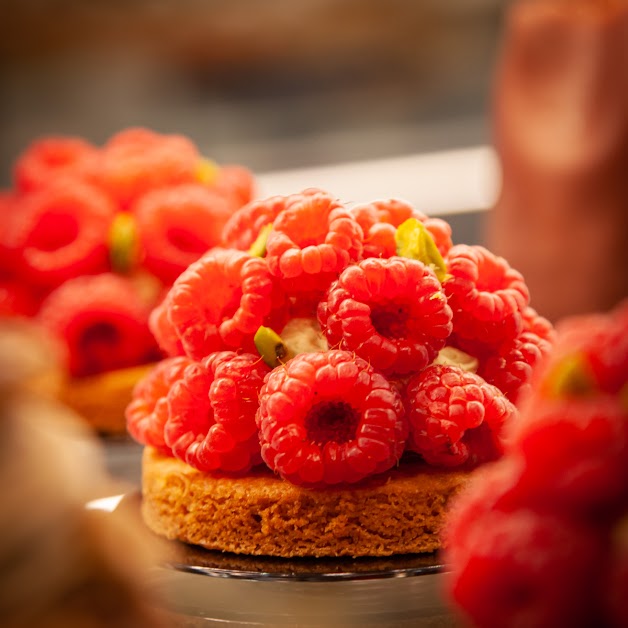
column 93, row 237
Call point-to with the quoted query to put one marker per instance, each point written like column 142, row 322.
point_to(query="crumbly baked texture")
column 102, row 399
column 399, row 512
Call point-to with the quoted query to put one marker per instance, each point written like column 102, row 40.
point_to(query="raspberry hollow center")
column 391, row 321
column 101, row 333
column 334, row 421
column 54, row 231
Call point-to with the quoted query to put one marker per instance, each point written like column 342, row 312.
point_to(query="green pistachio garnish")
column 414, row 241
column 124, row 243
column 571, row 378
column 270, row 346
column 207, row 171
column 258, row 248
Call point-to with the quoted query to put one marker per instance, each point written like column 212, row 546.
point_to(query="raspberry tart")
column 91, row 240
column 324, row 393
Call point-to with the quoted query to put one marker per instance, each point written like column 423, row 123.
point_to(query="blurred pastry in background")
column 91, row 238
column 60, row 563
column 560, row 116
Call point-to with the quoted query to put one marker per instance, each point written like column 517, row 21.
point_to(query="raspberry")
column 390, row 312
column 16, row 299
column 524, row 568
column 575, row 456
column 244, row 225
column 221, row 300
column 61, row 232
column 455, row 417
column 102, row 323
column 163, row 330
column 326, row 418
column 211, row 424
column 177, row 225
column 312, row 240
column 147, row 413
column 380, row 219
column 137, row 160
column 511, row 366
column 236, row 183
column 49, row 158
column 538, row 325
column 590, row 357
column 486, row 295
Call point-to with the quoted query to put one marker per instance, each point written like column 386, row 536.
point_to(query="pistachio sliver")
column 414, row 241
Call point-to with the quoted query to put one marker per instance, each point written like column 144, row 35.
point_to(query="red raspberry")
column 244, row 225
column 525, row 568
column 102, row 323
column 538, row 325
column 575, row 455
column 590, row 356
column 137, row 160
column 147, row 413
column 163, row 330
column 49, row 158
column 510, row 367
column 312, row 240
column 379, row 221
column 327, row 418
column 177, row 225
column 16, row 299
column 455, row 417
column 486, row 295
column 236, row 183
column 211, row 424
column 390, row 312
column 221, row 300
column 61, row 232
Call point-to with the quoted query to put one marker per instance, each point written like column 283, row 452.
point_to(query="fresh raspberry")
column 379, row 221
column 49, row 158
column 511, row 365
column 244, row 225
column 137, row 160
column 455, row 417
column 61, row 232
column 327, row 418
column 221, row 300
column 163, row 330
column 590, row 356
column 16, row 299
column 211, row 424
column 538, row 325
column 102, row 323
column 524, row 568
column 147, row 413
column 236, row 183
column 486, row 295
column 575, row 455
column 390, row 312
column 177, row 225
column 312, row 240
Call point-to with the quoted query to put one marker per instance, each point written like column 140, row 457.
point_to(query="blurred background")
column 273, row 85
